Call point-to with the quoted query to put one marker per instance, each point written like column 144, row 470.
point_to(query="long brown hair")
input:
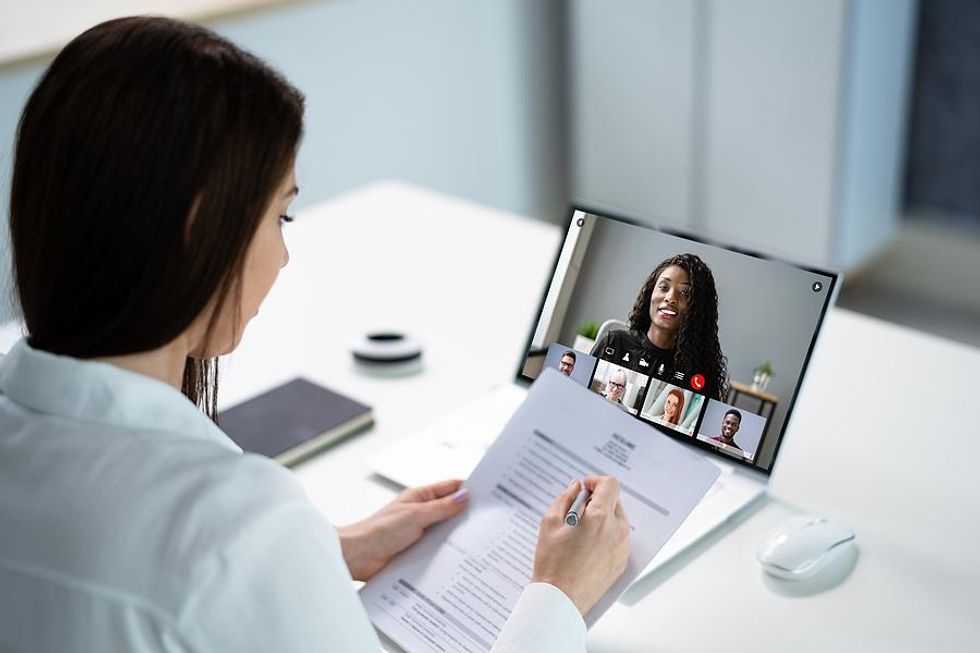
column 145, row 159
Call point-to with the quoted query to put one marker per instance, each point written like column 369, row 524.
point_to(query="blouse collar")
column 101, row 393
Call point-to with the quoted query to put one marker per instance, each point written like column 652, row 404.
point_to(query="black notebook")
column 294, row 420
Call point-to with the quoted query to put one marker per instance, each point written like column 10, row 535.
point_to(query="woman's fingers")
column 585, row 561
column 605, row 492
column 565, row 499
column 446, row 499
column 433, row 491
column 620, row 513
column 445, row 507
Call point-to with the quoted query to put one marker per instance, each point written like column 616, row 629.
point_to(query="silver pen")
column 574, row 514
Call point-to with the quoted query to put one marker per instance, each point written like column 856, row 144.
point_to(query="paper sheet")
column 454, row 589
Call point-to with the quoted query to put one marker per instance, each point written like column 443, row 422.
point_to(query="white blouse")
column 130, row 522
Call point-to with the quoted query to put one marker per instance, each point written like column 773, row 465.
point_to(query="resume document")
column 454, row 589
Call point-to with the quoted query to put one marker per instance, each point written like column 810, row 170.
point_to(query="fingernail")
column 573, row 484
column 460, row 494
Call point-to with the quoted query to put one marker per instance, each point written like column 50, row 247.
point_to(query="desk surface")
column 879, row 438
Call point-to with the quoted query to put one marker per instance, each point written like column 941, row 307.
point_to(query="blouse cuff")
column 544, row 619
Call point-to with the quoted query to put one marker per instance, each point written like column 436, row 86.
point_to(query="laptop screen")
column 705, row 342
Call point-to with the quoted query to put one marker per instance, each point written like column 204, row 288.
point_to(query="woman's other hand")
column 370, row 544
column 585, row 560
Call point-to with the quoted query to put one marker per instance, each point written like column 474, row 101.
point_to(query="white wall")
column 774, row 123
column 771, row 124
column 15, row 85
column 632, row 82
column 446, row 94
column 873, row 144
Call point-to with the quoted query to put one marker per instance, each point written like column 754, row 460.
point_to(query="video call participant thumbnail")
column 674, row 320
column 619, row 385
column 672, row 406
column 576, row 365
column 735, row 431
column 615, row 388
column 729, row 427
column 566, row 364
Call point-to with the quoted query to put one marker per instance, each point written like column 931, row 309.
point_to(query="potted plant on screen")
column 585, row 336
column 761, row 376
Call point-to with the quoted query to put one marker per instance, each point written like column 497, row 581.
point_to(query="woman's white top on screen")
column 130, row 522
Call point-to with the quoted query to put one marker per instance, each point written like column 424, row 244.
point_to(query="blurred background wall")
column 840, row 132
column 461, row 97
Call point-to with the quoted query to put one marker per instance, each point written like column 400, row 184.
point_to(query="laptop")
column 705, row 342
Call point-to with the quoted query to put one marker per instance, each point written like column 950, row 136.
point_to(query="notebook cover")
column 290, row 417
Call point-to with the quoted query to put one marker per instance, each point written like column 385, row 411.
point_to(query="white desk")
column 882, row 436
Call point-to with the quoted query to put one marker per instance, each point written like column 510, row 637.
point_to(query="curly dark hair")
column 696, row 347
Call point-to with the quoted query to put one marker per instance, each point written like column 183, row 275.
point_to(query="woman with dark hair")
column 674, row 322
column 153, row 171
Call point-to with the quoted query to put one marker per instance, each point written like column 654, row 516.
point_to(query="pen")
column 574, row 514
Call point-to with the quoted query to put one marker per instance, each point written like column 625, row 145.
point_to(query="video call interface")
column 706, row 344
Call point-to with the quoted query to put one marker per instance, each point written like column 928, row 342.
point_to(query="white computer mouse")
column 800, row 547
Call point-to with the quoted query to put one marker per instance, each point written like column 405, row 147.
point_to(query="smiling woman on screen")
column 153, row 171
column 674, row 321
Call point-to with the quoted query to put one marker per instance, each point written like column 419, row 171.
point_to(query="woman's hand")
column 370, row 544
column 585, row 560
